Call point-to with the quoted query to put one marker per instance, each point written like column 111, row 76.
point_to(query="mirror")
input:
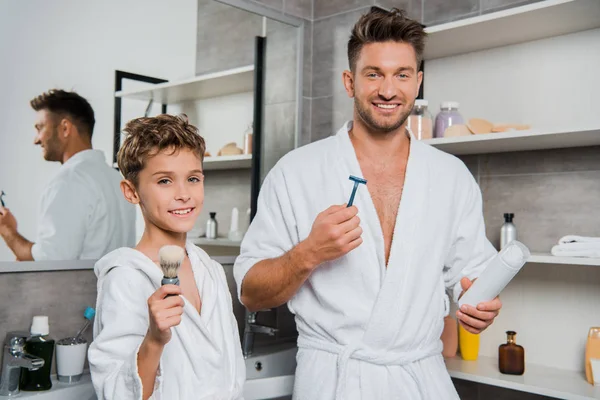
column 217, row 36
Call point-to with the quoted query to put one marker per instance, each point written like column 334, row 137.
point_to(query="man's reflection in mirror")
column 82, row 213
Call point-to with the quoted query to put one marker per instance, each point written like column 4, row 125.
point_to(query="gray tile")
column 542, row 161
column 224, row 190
column 466, row 390
column 281, row 63
column 307, row 60
column 321, row 119
column 330, row 52
column 325, row 8
column 207, row 7
column 413, row 8
column 279, row 133
column 275, row 4
column 306, row 121
column 439, row 11
column 299, row 8
column 472, row 162
column 25, row 294
column 226, row 40
column 497, row 5
column 329, row 114
column 546, row 206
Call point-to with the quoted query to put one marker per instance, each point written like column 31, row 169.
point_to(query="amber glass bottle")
column 511, row 356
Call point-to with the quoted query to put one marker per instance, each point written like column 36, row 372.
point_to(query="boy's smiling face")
column 170, row 190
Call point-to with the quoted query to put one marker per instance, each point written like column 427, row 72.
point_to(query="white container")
column 595, row 362
column 499, row 272
column 70, row 358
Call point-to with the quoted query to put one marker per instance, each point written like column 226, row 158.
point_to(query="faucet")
column 252, row 328
column 13, row 359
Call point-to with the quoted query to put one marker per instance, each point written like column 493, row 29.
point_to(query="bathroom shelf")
column 222, row 83
column 553, row 382
column 550, row 259
column 216, row 242
column 516, row 25
column 41, row 266
column 228, row 162
column 499, row 142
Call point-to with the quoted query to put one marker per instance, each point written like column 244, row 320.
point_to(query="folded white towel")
column 590, row 249
column 578, row 239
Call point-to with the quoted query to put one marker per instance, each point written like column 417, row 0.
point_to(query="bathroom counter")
column 82, row 390
column 537, row 379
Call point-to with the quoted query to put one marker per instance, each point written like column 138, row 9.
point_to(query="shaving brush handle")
column 170, row 281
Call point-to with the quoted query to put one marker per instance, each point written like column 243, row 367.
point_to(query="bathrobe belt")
column 356, row 351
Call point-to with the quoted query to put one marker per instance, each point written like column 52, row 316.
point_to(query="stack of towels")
column 577, row 246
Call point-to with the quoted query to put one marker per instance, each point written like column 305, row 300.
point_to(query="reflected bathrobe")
column 203, row 359
column 366, row 331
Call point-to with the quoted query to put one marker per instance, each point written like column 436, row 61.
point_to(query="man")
column 368, row 293
column 82, row 212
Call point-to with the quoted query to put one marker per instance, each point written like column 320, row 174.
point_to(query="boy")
column 147, row 345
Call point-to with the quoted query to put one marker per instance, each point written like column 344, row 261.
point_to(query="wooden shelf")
column 222, row 83
column 515, row 25
column 516, row 141
column 228, row 162
column 224, row 242
column 553, row 382
column 550, row 259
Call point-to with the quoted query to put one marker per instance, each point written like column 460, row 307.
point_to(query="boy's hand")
column 8, row 223
column 335, row 232
column 165, row 312
column 477, row 319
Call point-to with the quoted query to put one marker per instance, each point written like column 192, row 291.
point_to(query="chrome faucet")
column 13, row 359
column 252, row 328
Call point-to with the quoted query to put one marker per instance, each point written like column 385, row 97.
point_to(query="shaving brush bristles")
column 170, row 257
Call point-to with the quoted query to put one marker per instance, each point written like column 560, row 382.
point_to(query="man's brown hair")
column 379, row 25
column 67, row 104
column 148, row 136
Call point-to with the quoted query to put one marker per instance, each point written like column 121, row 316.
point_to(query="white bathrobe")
column 366, row 331
column 203, row 359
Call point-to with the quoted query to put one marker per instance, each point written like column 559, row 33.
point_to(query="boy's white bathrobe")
column 203, row 359
column 366, row 331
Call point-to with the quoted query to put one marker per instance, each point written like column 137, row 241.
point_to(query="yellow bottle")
column 468, row 343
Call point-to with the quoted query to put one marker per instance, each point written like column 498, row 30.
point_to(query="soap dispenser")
column 39, row 344
column 511, row 356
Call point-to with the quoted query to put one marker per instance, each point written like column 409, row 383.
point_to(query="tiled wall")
column 61, row 295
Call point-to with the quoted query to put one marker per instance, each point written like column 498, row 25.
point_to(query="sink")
column 270, row 372
column 82, row 390
column 269, row 375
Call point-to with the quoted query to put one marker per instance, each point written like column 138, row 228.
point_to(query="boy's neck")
column 153, row 239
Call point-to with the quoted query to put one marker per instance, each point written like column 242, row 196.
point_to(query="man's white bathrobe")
column 366, row 331
column 203, row 359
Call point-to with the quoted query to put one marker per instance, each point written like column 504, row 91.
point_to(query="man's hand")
column 476, row 320
column 335, row 232
column 8, row 223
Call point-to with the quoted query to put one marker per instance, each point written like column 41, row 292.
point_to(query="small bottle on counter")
column 248, row 140
column 447, row 117
column 511, row 356
column 39, row 344
column 420, row 120
column 212, row 226
column 508, row 232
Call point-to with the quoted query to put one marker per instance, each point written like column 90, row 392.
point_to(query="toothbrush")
column 170, row 258
column 88, row 314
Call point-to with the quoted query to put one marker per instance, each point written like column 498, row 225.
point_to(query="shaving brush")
column 170, row 257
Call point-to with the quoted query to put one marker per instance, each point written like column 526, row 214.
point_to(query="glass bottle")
column 447, row 116
column 511, row 356
column 420, row 120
